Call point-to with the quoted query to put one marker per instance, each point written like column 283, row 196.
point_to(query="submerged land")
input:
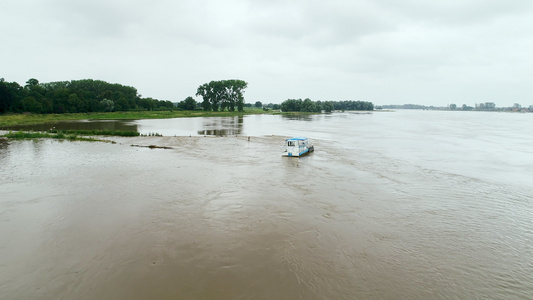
column 10, row 120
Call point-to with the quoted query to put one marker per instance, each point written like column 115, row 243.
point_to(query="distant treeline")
column 406, row 106
column 486, row 106
column 76, row 96
column 307, row 105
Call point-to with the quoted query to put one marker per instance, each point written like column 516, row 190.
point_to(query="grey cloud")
column 454, row 12
column 318, row 23
column 96, row 19
column 380, row 50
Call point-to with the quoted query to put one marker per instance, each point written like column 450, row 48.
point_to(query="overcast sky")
column 383, row 51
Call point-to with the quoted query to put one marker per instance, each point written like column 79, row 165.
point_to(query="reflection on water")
column 222, row 126
column 314, row 117
column 214, row 126
column 298, row 117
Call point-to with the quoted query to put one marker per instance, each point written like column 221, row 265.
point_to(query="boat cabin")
column 297, row 146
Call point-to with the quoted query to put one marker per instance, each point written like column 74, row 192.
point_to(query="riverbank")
column 11, row 120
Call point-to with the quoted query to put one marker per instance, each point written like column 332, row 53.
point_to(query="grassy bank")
column 96, row 132
column 44, row 135
column 32, row 119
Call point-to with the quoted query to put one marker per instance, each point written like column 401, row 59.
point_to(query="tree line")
column 87, row 95
column 79, row 96
column 76, row 96
column 307, row 105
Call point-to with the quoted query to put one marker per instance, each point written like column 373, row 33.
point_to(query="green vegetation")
column 222, row 94
column 9, row 120
column 188, row 104
column 87, row 99
column 96, row 132
column 40, row 135
column 307, row 105
column 76, row 96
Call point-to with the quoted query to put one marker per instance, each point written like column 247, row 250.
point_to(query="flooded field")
column 391, row 205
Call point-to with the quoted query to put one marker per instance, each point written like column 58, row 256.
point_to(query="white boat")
column 297, row 146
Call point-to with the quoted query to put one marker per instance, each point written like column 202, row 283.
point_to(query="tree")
column 328, row 106
column 490, row 105
column 29, row 104
column 222, row 94
column 234, row 92
column 291, row 105
column 78, row 105
column 453, row 106
column 9, row 92
column 84, row 95
column 167, row 104
column 188, row 104
column 32, row 82
column 205, row 92
column 309, row 106
column 258, row 104
column 465, row 107
column 107, row 104
column 147, row 103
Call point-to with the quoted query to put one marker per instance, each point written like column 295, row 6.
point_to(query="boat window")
column 291, row 143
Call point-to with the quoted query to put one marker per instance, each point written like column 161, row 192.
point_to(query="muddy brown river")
column 391, row 205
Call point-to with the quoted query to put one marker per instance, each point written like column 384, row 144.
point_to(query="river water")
column 391, row 205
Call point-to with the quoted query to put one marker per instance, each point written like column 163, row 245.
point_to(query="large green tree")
column 223, row 94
